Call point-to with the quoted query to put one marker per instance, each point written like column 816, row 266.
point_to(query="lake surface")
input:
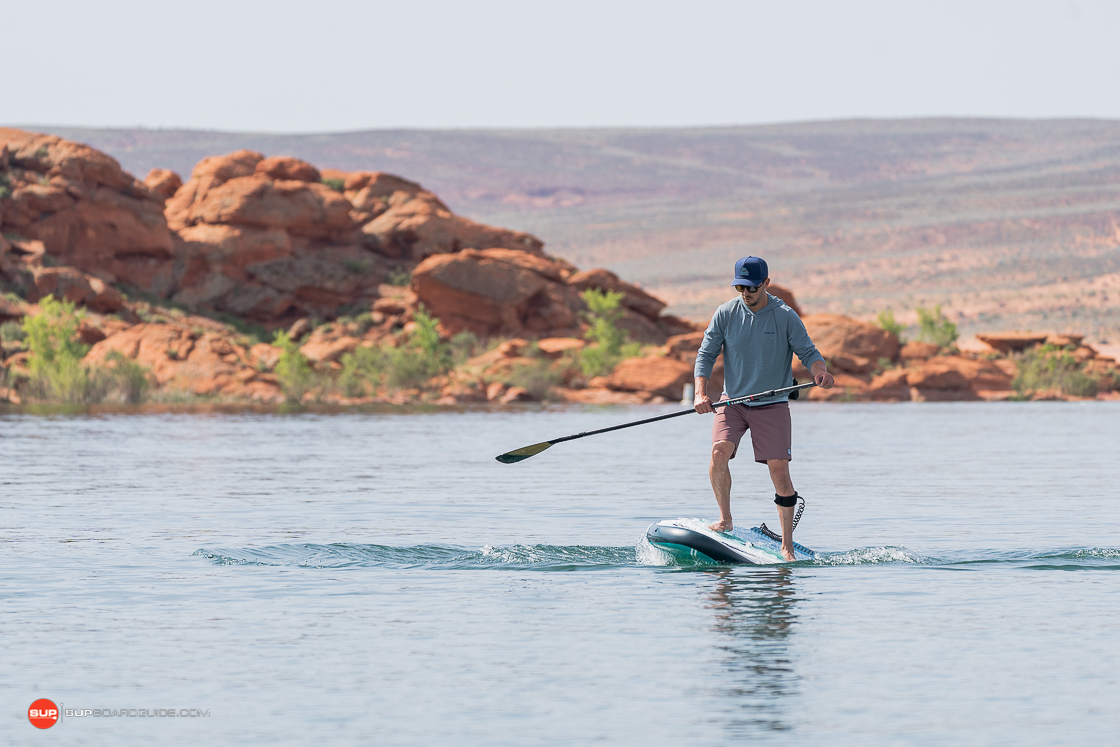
column 377, row 578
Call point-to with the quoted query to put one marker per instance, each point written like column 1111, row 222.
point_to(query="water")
column 377, row 578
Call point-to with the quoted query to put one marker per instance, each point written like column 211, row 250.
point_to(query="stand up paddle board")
column 690, row 539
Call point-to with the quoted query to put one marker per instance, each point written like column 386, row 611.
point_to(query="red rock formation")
column 22, row 269
column 194, row 355
column 654, row 374
column 499, row 291
column 918, row 351
column 889, row 386
column 87, row 212
column 1009, row 342
column 786, row 295
column 850, row 345
column 288, row 168
column 163, row 183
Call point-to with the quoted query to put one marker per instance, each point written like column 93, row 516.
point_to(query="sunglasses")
column 749, row 288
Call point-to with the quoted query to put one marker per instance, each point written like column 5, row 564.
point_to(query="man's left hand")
column 824, row 380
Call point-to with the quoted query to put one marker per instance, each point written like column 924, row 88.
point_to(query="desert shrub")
column 362, row 371
column 12, row 331
column 934, row 327
column 121, row 379
column 363, row 322
column 400, row 277
column 1050, row 367
column 336, row 184
column 609, row 344
column 355, row 266
column 55, row 362
column 420, row 357
column 537, row 377
column 292, row 370
column 464, row 346
column 886, row 321
column 57, row 371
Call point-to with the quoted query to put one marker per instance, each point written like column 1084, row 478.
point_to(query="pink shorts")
column 770, row 429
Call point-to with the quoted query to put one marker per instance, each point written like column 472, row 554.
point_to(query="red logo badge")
column 43, row 714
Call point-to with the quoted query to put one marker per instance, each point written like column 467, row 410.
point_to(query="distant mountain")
column 1010, row 224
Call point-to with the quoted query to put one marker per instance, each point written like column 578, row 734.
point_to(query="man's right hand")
column 703, row 403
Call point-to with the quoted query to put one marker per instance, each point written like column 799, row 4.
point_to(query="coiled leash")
column 786, row 502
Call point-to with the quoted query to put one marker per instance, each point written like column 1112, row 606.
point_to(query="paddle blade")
column 523, row 453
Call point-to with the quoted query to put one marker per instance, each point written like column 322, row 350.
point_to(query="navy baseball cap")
column 750, row 271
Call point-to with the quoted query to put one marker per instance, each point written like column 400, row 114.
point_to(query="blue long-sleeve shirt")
column 757, row 348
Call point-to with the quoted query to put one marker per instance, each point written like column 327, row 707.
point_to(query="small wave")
column 1092, row 553
column 642, row 554
column 446, row 557
column 871, row 556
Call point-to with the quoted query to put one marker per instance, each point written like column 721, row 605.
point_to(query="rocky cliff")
column 176, row 276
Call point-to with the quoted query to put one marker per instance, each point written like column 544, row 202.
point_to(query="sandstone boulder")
column 163, row 183
column 1012, row 342
column 87, row 211
column 555, row 347
column 78, row 287
column 288, row 169
column 659, row 375
column 498, row 291
column 633, row 297
column 848, row 388
column 1064, row 340
column 918, row 351
column 786, row 295
column 850, row 345
column 954, row 372
column 193, row 355
column 685, row 346
column 889, row 386
column 938, row 374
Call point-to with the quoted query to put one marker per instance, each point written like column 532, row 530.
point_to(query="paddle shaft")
column 690, row 411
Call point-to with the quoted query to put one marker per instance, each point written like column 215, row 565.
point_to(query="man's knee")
column 722, row 451
column 778, row 466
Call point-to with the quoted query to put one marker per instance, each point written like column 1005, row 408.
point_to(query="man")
column 758, row 334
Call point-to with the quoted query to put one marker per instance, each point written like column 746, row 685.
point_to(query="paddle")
column 525, row 452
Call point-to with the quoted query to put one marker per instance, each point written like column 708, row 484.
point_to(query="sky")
column 343, row 65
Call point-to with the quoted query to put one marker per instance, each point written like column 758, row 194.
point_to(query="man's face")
column 753, row 298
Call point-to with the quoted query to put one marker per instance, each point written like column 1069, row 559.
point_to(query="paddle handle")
column 690, row 411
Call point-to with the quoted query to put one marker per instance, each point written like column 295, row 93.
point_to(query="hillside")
column 1009, row 224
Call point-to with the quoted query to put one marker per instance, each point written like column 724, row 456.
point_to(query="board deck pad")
column 691, row 538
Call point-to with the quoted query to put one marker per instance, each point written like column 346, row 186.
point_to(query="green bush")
column 422, row 356
column 55, row 362
column 537, row 377
column 362, row 371
column 336, row 184
column 121, row 379
column 292, row 370
column 608, row 343
column 464, row 346
column 355, row 266
column 935, row 328
column 887, row 321
column 1050, row 367
column 12, row 331
column 363, row 322
column 400, row 277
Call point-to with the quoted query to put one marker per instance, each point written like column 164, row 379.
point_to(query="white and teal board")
column 692, row 539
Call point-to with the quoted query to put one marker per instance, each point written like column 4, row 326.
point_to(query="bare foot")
column 721, row 526
column 787, row 553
